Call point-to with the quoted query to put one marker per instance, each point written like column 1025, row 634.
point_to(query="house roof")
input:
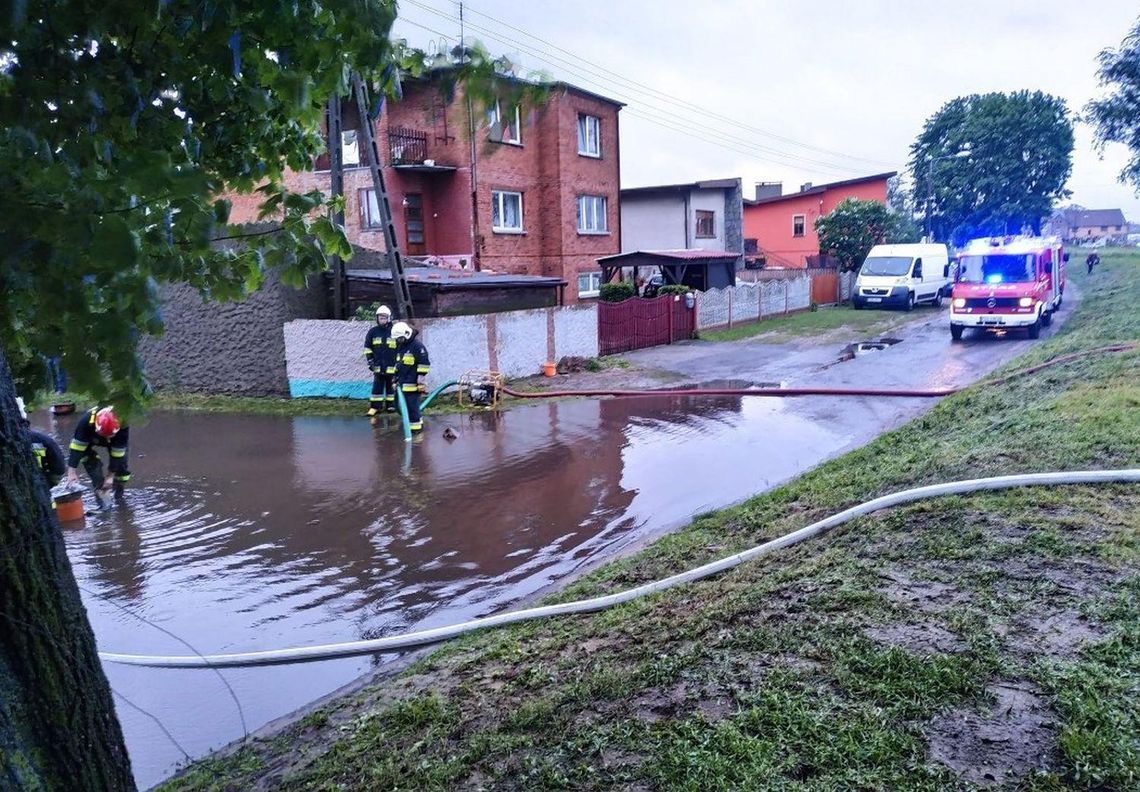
column 556, row 84
column 1094, row 217
column 669, row 256
column 819, row 188
column 711, row 184
column 444, row 279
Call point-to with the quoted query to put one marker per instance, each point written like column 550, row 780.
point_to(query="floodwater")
column 242, row 533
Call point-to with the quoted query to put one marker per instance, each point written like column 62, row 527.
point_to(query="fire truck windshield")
column 996, row 268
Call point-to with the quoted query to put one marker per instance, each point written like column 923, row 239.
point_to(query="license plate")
column 874, row 299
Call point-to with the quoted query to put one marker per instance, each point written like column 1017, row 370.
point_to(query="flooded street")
column 256, row 532
column 242, row 533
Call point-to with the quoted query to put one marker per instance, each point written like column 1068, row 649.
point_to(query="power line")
column 642, row 88
column 665, row 119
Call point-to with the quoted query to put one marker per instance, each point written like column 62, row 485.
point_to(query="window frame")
column 595, row 277
column 584, row 230
column 345, row 135
column 495, row 116
column 803, row 225
column 582, row 131
column 497, row 197
column 711, row 217
column 368, row 197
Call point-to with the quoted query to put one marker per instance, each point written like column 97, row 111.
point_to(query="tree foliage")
column 1019, row 158
column 853, row 227
column 124, row 125
column 1116, row 117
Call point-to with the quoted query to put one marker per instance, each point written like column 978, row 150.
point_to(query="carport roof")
column 667, row 256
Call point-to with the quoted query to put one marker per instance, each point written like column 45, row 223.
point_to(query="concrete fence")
column 326, row 358
column 846, row 284
column 750, row 302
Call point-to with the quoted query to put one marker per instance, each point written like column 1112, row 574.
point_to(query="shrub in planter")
column 616, row 292
column 673, row 288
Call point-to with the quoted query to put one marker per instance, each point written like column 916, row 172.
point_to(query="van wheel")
column 937, row 302
column 858, row 306
column 910, row 301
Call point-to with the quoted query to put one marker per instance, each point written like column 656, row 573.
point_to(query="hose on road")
column 594, row 604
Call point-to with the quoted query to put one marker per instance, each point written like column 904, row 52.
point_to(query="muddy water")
column 252, row 532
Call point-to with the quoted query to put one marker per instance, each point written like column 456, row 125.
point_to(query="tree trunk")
column 58, row 729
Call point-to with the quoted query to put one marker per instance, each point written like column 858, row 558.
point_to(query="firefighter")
column 49, row 458
column 100, row 427
column 411, row 364
column 380, row 352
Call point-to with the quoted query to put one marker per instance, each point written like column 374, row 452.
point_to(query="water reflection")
column 257, row 532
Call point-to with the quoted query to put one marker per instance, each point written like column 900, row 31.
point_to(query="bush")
column 616, row 292
column 365, row 313
column 673, row 288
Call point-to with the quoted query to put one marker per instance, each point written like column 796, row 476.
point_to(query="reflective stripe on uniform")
column 417, row 426
column 409, row 388
column 118, row 453
column 120, row 477
column 390, row 370
column 377, row 341
column 391, row 343
column 421, row 369
column 78, row 446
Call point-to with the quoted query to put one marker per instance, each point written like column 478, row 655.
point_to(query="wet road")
column 255, row 532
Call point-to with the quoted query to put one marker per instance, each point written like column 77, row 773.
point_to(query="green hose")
column 403, row 405
column 431, row 396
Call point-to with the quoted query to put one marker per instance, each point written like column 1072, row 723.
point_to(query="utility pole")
column 391, row 252
column 336, row 176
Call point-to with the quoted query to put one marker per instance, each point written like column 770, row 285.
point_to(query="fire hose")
column 410, row 640
column 591, row 605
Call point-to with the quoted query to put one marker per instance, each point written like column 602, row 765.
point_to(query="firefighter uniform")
column 84, row 445
column 380, row 352
column 49, row 458
column 411, row 364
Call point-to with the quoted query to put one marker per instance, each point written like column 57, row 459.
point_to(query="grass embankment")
column 807, row 323
column 920, row 648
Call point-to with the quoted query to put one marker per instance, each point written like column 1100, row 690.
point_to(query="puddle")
column 860, row 348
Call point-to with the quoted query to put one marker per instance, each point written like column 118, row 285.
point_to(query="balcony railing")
column 407, row 146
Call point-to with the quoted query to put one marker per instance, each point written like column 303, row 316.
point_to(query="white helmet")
column 401, row 331
column 383, row 312
column 23, row 412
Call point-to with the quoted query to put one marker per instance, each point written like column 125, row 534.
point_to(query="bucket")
column 69, row 508
column 549, row 369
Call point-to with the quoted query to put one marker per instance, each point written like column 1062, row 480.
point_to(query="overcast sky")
column 794, row 91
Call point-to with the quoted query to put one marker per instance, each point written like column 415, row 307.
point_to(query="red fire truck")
column 1008, row 283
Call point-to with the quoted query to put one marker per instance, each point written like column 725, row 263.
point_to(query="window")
column 797, row 225
column 505, row 131
column 706, row 224
column 589, row 284
column 349, row 147
column 369, row 210
column 589, row 136
column 506, row 212
column 592, row 214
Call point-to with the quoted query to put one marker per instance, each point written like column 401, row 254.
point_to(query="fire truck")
column 1005, row 283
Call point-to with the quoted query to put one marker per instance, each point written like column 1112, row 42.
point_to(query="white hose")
column 423, row 637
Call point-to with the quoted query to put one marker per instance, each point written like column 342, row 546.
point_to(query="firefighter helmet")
column 106, row 422
column 401, row 331
column 383, row 314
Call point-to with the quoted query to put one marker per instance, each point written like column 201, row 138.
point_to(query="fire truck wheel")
column 1047, row 318
column 956, row 332
column 1035, row 329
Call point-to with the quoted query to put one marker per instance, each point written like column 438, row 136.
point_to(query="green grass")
column 826, row 666
column 808, row 323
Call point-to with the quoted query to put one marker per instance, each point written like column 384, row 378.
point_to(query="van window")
column 891, row 266
column 918, row 268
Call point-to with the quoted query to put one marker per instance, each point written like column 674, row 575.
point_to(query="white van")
column 903, row 275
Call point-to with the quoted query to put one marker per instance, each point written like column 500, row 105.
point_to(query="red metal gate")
column 637, row 323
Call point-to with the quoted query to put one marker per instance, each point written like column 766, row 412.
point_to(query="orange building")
column 781, row 228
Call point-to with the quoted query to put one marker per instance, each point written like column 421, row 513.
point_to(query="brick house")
column 781, row 228
column 545, row 182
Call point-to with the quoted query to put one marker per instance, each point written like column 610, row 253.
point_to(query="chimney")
column 769, row 190
column 805, row 186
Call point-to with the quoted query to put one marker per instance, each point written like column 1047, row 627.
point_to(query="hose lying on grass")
column 593, row 604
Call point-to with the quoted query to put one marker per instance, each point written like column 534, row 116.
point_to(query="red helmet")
column 106, row 422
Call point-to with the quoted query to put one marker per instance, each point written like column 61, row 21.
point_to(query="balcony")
column 408, row 150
